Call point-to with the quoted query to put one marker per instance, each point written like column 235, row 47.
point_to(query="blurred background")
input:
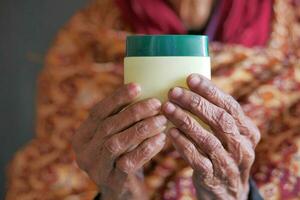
column 25, row 34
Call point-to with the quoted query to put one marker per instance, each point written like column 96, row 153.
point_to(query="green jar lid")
column 166, row 45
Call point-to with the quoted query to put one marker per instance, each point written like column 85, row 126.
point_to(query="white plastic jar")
column 159, row 62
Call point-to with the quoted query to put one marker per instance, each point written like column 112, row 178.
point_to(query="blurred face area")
column 193, row 13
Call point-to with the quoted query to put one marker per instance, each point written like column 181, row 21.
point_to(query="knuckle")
column 225, row 121
column 187, row 123
column 125, row 165
column 207, row 166
column 224, row 116
column 196, row 102
column 211, row 92
column 141, row 129
column 147, row 150
column 248, row 157
column 256, row 136
column 135, row 112
column 189, row 150
column 214, row 145
column 232, row 105
column 132, row 112
column 112, row 146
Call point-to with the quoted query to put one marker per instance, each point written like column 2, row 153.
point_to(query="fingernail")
column 174, row 133
column 134, row 89
column 194, row 81
column 176, row 92
column 156, row 103
column 169, row 108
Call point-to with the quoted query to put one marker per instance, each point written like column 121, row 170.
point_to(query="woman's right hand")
column 114, row 143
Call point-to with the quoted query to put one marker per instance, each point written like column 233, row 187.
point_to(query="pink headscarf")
column 242, row 21
column 233, row 21
column 151, row 17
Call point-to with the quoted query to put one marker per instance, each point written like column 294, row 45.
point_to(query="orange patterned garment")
column 84, row 65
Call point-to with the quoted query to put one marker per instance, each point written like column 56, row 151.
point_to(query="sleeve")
column 253, row 191
column 98, row 197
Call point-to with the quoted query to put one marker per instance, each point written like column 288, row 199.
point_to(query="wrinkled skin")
column 221, row 158
column 114, row 143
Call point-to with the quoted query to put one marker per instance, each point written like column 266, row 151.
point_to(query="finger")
column 111, row 104
column 250, row 130
column 134, row 160
column 132, row 137
column 190, row 153
column 207, row 188
column 83, row 135
column 224, row 165
column 217, row 118
column 212, row 93
column 116, row 123
column 126, row 118
column 191, row 128
column 205, row 88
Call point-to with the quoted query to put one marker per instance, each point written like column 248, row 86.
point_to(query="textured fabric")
column 253, row 192
column 151, row 17
column 242, row 22
column 84, row 65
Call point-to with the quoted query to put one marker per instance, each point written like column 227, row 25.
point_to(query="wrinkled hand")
column 221, row 158
column 113, row 144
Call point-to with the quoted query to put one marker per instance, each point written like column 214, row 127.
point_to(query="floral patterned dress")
column 84, row 65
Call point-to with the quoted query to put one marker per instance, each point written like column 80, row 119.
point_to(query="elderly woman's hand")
column 113, row 144
column 221, row 158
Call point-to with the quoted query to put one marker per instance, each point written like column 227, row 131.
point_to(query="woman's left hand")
column 221, row 158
